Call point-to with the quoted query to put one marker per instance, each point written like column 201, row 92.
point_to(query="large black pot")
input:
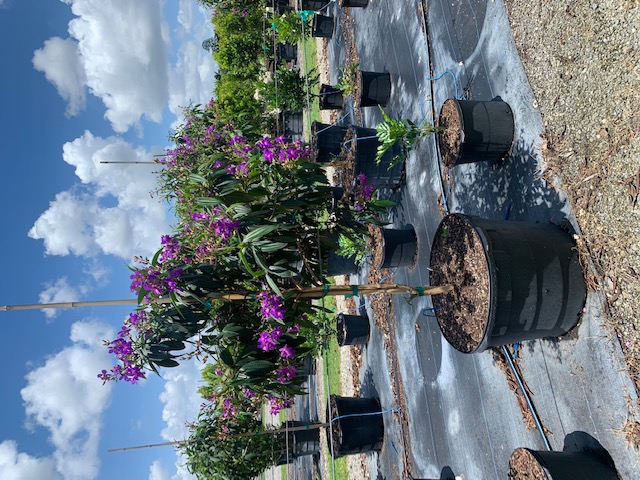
column 339, row 265
column 354, row 3
column 486, row 131
column 357, row 426
column 364, row 147
column 322, row 26
column 375, row 89
column 400, row 247
column 326, row 141
column 583, row 465
column 331, row 97
column 536, row 287
column 352, row 329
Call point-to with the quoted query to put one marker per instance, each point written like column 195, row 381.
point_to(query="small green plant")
column 290, row 27
column 348, row 79
column 355, row 247
column 391, row 131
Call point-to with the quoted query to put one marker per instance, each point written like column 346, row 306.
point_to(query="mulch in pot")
column 458, row 259
column 449, row 133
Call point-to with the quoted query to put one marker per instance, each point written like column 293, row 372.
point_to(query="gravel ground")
column 582, row 60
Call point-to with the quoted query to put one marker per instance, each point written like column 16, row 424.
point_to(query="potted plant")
column 527, row 464
column 352, row 329
column 367, row 88
column 392, row 133
column 289, row 27
column 361, row 146
column 357, row 425
column 512, row 281
column 474, row 131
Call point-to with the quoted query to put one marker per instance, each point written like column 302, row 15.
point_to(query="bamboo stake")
column 310, row 292
column 315, row 426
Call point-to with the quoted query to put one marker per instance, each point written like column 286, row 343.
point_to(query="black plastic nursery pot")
column 512, row 281
column 400, row 247
column 339, row 265
column 375, row 89
column 527, row 464
column 355, row 429
column 330, row 97
column 287, row 52
column 363, row 143
column 475, row 131
column 322, row 25
column 314, row 4
column 301, row 442
column 354, row 3
column 326, row 141
column 352, row 329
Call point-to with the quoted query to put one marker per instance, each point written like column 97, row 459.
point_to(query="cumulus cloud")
column 60, row 291
column 79, row 222
column 72, row 407
column 181, row 405
column 61, row 65
column 16, row 465
column 158, row 472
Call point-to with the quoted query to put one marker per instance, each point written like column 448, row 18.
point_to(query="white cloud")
column 60, row 291
column 65, row 397
column 21, row 466
column 79, row 224
column 158, row 472
column 123, row 48
column 182, row 404
column 60, row 62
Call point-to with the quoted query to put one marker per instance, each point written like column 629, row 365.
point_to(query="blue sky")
column 86, row 81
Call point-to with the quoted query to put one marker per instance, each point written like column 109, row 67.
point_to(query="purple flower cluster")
column 122, row 348
column 170, row 248
column 154, row 280
column 278, row 404
column 224, row 227
column 268, row 340
column 271, row 305
column 279, row 150
column 363, row 192
column 286, row 374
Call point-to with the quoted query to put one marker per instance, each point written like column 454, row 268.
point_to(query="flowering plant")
column 255, row 218
column 234, row 449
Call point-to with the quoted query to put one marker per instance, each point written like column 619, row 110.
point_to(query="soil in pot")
column 462, row 314
column 526, row 464
column 356, row 430
column 475, row 131
column 513, row 281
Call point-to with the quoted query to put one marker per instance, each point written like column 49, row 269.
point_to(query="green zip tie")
column 354, row 292
column 325, row 290
column 207, row 305
column 420, row 291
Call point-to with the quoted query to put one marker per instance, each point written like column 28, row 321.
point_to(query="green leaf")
column 273, row 285
column 258, row 233
column 197, row 178
column 226, row 357
column 258, row 367
column 384, row 203
column 208, row 201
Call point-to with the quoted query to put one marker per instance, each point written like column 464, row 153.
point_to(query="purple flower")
column 287, row 352
column 286, row 374
column 271, row 305
column 266, row 342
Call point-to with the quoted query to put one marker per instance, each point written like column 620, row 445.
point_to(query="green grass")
column 308, row 46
